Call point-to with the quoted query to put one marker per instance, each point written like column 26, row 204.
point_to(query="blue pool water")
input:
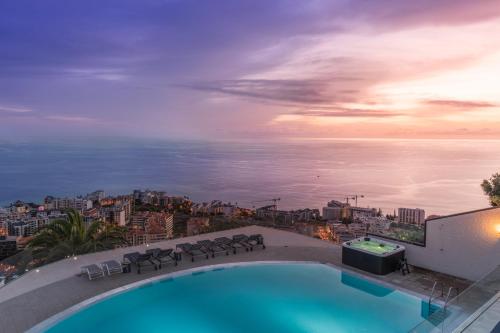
column 291, row 297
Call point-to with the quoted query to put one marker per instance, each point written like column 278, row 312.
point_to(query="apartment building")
column 96, row 196
column 80, row 204
column 359, row 213
column 8, row 246
column 195, row 225
column 335, row 210
column 411, row 215
column 28, row 224
column 153, row 223
column 115, row 215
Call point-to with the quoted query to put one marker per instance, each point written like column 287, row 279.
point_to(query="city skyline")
column 222, row 70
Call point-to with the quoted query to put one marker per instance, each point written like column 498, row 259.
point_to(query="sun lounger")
column 250, row 241
column 213, row 247
column 193, row 250
column 131, row 257
column 235, row 246
column 242, row 239
column 92, row 271
column 141, row 260
column 112, row 267
column 163, row 256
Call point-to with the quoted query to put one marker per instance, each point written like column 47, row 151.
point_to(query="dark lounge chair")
column 242, row 239
column 92, row 271
column 112, row 267
column 193, row 250
column 252, row 240
column 141, row 260
column 163, row 256
column 235, row 246
column 213, row 247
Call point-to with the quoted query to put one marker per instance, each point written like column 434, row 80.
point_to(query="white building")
column 335, row 210
column 79, row 204
column 229, row 210
column 358, row 213
column 28, row 225
column 333, row 213
column 115, row 215
column 96, row 196
column 411, row 215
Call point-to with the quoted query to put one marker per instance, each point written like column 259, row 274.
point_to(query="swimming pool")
column 271, row 297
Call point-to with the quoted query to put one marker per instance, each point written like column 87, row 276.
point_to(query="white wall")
column 465, row 245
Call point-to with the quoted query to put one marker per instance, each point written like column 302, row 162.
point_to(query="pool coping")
column 58, row 317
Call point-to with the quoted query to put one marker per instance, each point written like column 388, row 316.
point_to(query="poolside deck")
column 488, row 317
column 37, row 296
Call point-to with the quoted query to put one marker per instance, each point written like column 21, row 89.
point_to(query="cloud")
column 16, row 109
column 459, row 104
column 27, row 113
column 106, row 74
column 302, row 92
column 346, row 112
column 325, row 58
column 73, row 119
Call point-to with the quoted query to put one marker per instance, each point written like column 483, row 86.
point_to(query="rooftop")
column 56, row 287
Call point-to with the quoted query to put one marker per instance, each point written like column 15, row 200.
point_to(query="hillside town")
column 150, row 216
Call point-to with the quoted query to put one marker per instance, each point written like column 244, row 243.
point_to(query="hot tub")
column 372, row 255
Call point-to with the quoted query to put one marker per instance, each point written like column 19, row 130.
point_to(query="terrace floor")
column 37, row 296
column 486, row 321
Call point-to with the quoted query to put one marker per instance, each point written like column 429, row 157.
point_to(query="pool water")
column 278, row 297
column 373, row 247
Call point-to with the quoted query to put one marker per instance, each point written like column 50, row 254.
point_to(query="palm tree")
column 63, row 238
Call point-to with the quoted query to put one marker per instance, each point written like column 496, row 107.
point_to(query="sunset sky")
column 250, row 68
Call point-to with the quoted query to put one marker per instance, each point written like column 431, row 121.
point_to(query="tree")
column 63, row 238
column 491, row 188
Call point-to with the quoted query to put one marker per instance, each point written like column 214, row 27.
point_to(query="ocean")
column 440, row 176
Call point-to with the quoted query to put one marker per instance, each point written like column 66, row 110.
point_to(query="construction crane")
column 275, row 206
column 273, row 200
column 354, row 197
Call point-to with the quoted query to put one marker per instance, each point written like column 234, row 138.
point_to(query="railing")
column 447, row 299
column 14, row 266
column 135, row 239
column 452, row 315
column 432, row 297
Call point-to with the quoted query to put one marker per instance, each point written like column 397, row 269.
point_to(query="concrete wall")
column 464, row 245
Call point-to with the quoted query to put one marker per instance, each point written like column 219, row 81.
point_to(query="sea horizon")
column 305, row 173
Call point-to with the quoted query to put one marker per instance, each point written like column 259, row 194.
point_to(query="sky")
column 250, row 69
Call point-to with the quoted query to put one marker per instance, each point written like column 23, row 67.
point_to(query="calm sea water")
column 293, row 298
column 439, row 176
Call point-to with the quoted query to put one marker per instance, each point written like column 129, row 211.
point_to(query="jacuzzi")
column 372, row 255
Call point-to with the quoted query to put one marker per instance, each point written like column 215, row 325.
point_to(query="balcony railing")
column 458, row 313
column 138, row 239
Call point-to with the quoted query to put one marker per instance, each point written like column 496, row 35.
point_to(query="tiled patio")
column 487, row 319
column 39, row 295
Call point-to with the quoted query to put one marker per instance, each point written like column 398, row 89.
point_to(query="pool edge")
column 54, row 319
column 58, row 317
